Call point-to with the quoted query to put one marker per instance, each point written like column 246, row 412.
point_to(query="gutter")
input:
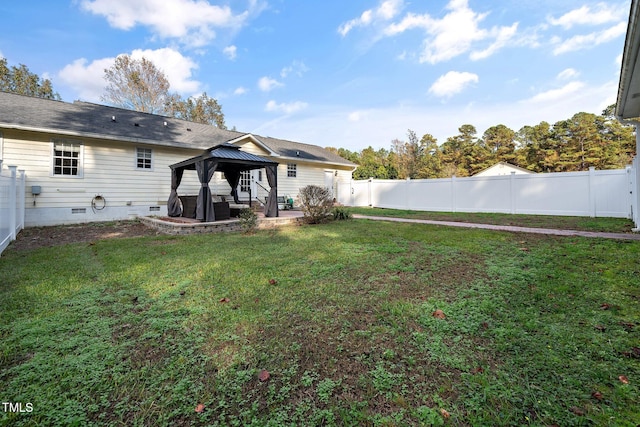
column 629, row 59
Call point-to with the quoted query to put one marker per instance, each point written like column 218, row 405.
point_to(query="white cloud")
column 587, row 41
column 240, row 91
column 567, row 74
column 286, row 108
column 87, row 78
column 601, row 13
column 297, row 67
column 455, row 33
column 502, row 35
column 355, row 116
column 231, row 52
column 267, row 84
column 191, row 22
column 386, row 11
column 557, row 94
column 451, row 83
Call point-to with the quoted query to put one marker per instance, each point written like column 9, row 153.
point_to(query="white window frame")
column 137, row 158
column 245, row 181
column 80, row 166
column 292, row 170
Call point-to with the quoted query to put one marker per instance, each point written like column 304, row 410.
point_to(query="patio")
column 182, row 225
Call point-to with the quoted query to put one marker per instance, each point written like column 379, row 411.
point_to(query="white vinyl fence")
column 607, row 193
column 12, row 199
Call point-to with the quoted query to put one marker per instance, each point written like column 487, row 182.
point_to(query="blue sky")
column 348, row 74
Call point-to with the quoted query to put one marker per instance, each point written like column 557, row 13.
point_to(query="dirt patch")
column 38, row 237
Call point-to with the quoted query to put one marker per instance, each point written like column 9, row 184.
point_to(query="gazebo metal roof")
column 228, row 156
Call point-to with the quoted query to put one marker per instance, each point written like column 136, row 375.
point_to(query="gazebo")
column 225, row 158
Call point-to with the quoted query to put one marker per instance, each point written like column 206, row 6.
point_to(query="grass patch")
column 537, row 330
column 611, row 225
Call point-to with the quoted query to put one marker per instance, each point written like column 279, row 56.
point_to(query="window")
column 245, row 181
column 67, row 158
column 143, row 158
column 292, row 170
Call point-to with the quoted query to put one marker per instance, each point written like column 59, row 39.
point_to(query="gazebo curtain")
column 173, row 204
column 233, row 178
column 204, row 203
column 271, row 209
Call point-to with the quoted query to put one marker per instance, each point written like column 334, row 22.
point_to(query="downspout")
column 636, row 191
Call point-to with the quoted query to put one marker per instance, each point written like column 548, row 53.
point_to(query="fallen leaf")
column 199, row 408
column 485, row 325
column 524, row 249
column 578, row 411
column 604, row 306
column 225, row 299
column 596, row 395
column 444, row 413
column 600, row 328
column 623, row 379
column 477, row 370
column 438, row 314
column 182, row 292
column 627, row 326
column 264, row 375
column 273, row 282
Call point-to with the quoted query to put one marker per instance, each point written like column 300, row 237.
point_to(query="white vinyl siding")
column 107, row 171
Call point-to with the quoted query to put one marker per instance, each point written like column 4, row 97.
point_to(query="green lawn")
column 537, row 330
column 611, row 225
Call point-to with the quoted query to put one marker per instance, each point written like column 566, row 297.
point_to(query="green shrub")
column 340, row 213
column 248, row 220
column 316, row 203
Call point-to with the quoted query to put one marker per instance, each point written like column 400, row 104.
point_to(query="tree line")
column 575, row 144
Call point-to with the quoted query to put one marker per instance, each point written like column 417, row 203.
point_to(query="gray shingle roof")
column 100, row 121
column 297, row 150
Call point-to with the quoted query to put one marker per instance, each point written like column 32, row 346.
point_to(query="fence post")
column 512, row 192
column 407, row 193
column 369, row 192
column 453, row 193
column 12, row 202
column 592, row 192
column 22, row 201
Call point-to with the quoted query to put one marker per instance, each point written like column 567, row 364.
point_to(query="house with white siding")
column 88, row 162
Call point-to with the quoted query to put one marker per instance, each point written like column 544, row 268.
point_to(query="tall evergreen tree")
column 18, row 79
